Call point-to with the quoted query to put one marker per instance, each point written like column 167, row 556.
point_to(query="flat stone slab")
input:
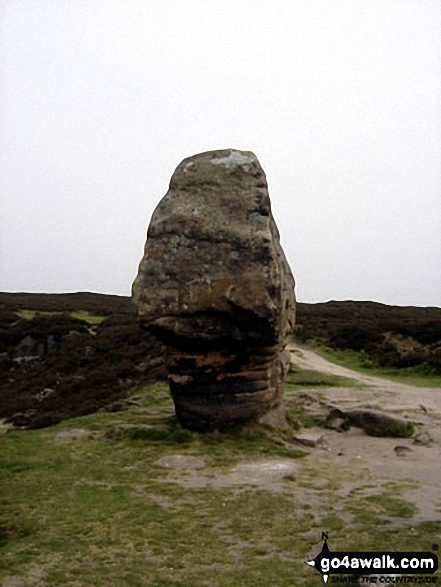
column 310, row 438
column 374, row 422
column 272, row 469
column 180, row 462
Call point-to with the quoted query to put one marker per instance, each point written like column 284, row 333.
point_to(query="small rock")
column 309, row 438
column 29, row 347
column 402, row 451
column 23, row 415
column 376, row 423
column 26, row 362
column 269, row 469
column 180, row 462
column 41, row 395
column 132, row 402
column 423, row 439
column 336, row 423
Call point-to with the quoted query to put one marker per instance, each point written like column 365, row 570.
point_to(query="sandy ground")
column 416, row 459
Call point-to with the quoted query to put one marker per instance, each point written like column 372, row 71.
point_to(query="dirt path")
column 391, row 396
column 307, row 359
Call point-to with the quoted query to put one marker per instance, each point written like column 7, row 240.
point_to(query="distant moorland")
column 63, row 355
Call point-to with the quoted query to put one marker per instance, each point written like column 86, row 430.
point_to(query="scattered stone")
column 29, row 347
column 376, row 423
column 21, row 418
column 42, row 395
column 72, row 338
column 402, row 451
column 335, row 422
column 423, row 439
column 180, row 462
column 133, row 402
column 26, row 362
column 215, row 288
column 310, row 438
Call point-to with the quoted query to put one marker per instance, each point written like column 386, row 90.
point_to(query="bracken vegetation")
column 384, row 336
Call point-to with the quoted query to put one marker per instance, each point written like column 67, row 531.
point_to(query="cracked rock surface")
column 215, row 287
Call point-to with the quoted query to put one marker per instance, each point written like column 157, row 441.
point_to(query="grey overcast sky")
column 339, row 99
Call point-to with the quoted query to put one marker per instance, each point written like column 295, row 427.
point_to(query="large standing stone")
column 215, row 287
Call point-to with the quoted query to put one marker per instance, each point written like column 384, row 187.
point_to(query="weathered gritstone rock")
column 215, row 287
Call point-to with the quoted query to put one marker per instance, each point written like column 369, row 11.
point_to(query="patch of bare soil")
column 267, row 474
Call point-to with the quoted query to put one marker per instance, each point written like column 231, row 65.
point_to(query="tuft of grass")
column 88, row 317
column 30, row 314
column 80, row 315
column 160, row 436
column 381, row 506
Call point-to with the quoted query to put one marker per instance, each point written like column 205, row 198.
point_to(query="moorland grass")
column 97, row 510
column 80, row 315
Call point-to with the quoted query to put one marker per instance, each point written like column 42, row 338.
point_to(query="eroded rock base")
column 218, row 388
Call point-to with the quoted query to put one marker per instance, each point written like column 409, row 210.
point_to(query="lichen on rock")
column 215, row 288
